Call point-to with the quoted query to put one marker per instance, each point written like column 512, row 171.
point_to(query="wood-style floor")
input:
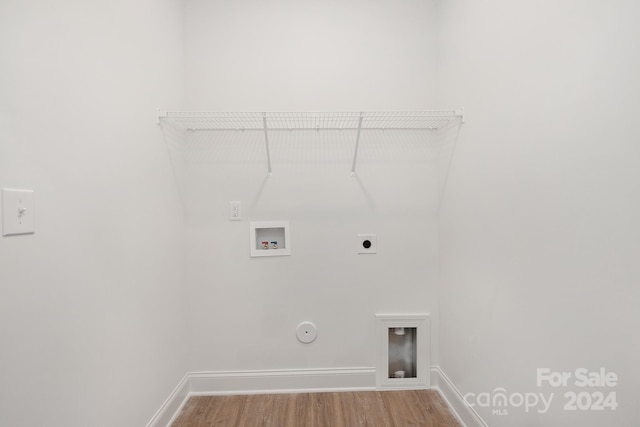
column 345, row 409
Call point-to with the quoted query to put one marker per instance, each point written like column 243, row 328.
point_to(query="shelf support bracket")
column 355, row 154
column 161, row 115
column 266, row 140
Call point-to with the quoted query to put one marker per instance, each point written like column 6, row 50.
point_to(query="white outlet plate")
column 362, row 245
column 17, row 212
column 235, row 211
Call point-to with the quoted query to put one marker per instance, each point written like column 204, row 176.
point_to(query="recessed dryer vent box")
column 403, row 351
column 270, row 238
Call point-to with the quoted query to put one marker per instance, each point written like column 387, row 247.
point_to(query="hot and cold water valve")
column 270, row 238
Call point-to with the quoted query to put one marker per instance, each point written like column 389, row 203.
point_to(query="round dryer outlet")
column 306, row 332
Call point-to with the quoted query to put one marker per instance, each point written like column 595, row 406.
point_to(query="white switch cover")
column 17, row 212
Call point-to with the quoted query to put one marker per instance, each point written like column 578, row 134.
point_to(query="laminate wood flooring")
column 345, row 409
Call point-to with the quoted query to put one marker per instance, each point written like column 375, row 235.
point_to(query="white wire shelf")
column 248, row 121
column 276, row 121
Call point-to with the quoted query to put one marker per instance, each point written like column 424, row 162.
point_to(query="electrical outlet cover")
column 367, row 244
column 235, row 211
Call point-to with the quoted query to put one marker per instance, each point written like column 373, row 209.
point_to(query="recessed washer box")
column 270, row 238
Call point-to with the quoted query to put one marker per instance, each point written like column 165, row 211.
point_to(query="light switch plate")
column 17, row 212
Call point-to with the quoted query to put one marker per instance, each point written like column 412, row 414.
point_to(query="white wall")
column 307, row 56
column 540, row 235
column 539, row 241
column 285, row 55
column 91, row 305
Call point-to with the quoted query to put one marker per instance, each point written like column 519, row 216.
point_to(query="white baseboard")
column 467, row 416
column 282, row 381
column 172, row 406
column 257, row 382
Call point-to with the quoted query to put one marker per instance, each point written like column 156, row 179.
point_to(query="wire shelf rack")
column 267, row 122
column 256, row 121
